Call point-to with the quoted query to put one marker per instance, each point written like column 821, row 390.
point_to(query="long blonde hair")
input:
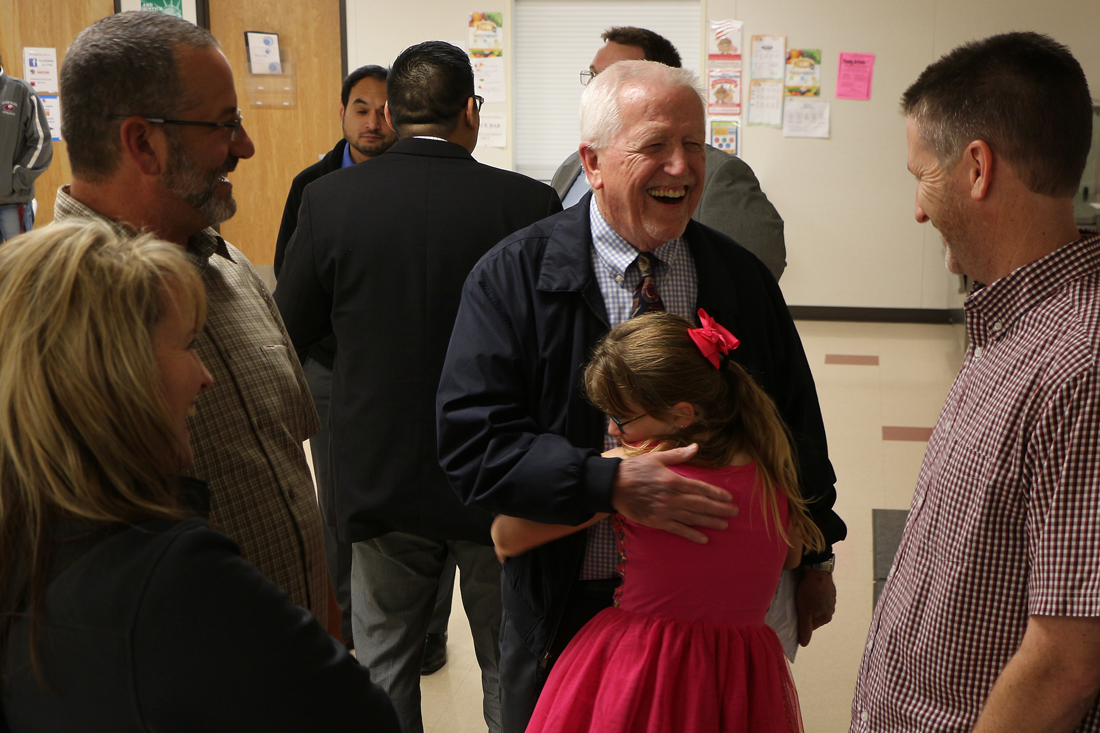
column 651, row 363
column 85, row 430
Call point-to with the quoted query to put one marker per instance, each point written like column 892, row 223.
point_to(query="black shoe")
column 435, row 653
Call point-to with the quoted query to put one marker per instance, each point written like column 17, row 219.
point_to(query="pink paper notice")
column 853, row 79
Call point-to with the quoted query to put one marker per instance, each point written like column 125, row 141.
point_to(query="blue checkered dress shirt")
column 613, row 260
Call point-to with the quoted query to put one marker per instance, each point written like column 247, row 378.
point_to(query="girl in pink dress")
column 685, row 647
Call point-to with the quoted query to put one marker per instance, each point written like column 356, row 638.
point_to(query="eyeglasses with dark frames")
column 623, row 423
column 587, row 76
column 233, row 125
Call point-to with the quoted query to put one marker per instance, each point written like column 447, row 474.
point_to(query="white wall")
column 847, row 201
column 379, row 31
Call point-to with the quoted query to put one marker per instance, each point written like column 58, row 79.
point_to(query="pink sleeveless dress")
column 686, row 647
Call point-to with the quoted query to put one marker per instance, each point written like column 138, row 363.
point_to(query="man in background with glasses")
column 153, row 132
column 379, row 258
column 732, row 200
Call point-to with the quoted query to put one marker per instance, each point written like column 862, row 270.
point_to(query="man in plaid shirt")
column 990, row 620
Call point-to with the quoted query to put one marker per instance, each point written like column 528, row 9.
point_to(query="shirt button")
column 864, row 717
column 978, row 352
column 870, row 644
column 997, row 326
column 619, row 279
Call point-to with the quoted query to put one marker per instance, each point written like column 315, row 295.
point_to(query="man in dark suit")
column 732, row 201
column 379, row 258
column 366, row 135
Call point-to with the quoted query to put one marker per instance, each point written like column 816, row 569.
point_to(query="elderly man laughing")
column 516, row 435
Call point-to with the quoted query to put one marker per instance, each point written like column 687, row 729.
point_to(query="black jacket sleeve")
column 304, row 302
column 218, row 647
column 504, row 405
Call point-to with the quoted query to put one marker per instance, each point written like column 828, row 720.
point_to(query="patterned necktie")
column 646, row 297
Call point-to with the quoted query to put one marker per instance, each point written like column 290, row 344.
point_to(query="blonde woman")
column 120, row 608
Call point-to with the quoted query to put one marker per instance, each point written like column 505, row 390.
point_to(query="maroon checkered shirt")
column 1005, row 520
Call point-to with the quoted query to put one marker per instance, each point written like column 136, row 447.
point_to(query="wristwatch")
column 826, row 566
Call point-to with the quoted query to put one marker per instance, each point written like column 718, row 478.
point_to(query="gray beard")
column 197, row 189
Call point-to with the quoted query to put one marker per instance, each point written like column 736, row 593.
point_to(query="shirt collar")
column 200, row 246
column 992, row 309
column 347, row 157
column 617, row 254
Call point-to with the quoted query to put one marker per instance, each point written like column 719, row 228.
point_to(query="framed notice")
column 196, row 11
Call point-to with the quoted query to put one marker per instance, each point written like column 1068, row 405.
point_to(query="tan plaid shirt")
column 1005, row 517
column 248, row 432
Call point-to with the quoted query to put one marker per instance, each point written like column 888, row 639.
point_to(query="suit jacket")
column 379, row 257
column 333, row 161
column 732, row 203
column 323, row 351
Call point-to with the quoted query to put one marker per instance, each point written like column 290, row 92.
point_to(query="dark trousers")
column 521, row 678
column 338, row 553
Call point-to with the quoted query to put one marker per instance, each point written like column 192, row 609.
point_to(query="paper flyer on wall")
column 724, row 91
column 805, row 117
column 486, row 36
column 52, row 106
column 765, row 102
column 489, row 78
column 263, row 53
column 40, row 69
column 725, row 134
column 803, row 78
column 492, row 133
column 724, row 44
column 768, row 57
column 853, row 76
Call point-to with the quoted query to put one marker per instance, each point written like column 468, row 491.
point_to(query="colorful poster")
column 805, row 118
column 724, row 92
column 765, row 102
column 486, row 34
column 853, row 76
column 40, row 69
column 724, row 44
column 803, row 72
column 724, row 135
column 768, row 57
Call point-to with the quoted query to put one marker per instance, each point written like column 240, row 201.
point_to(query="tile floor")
column 877, row 417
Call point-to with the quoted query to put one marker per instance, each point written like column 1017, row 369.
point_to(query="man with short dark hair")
column 154, row 130
column 990, row 618
column 652, row 47
column 516, row 435
column 25, row 153
column 378, row 258
column 732, row 201
column 366, row 135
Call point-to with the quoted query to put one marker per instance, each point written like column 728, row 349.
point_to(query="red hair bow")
column 712, row 339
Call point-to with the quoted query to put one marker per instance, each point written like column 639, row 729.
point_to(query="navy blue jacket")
column 516, row 435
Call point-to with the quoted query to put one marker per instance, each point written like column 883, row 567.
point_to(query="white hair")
column 600, row 117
